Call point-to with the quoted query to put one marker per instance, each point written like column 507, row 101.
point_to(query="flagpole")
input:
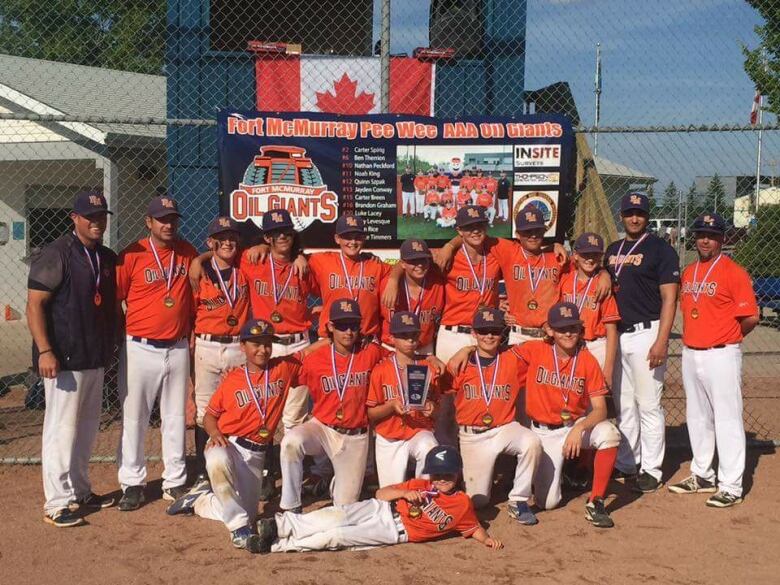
column 758, row 155
column 384, row 56
column 597, row 91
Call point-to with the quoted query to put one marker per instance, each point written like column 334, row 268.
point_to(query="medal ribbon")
column 262, row 410
column 488, row 396
column 581, row 303
column 231, row 301
column 532, row 284
column 278, row 297
column 418, row 306
column 565, row 388
column 696, row 292
column 341, row 390
column 618, row 263
column 96, row 274
column 169, row 279
column 346, row 277
column 480, row 283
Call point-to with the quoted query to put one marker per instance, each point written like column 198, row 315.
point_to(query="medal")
column 97, row 299
column 618, row 264
column 340, row 414
column 230, row 296
column 694, row 313
column 262, row 408
column 232, row 320
column 566, row 417
column 276, row 317
column 566, row 414
column 480, row 282
column 263, row 432
column 346, row 277
column 487, row 393
column 487, row 419
column 532, row 304
column 168, row 300
column 415, row 511
column 418, row 305
column 699, row 286
column 340, row 388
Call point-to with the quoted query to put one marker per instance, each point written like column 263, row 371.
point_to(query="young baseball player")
column 241, row 418
column 464, row 197
column 71, row 313
column 719, row 309
column 431, row 209
column 485, row 200
column 221, row 308
column 448, row 216
column 486, row 392
column 155, row 360
column 337, row 377
column 467, row 185
column 563, row 380
column 420, row 187
column 418, row 510
column 401, row 433
column 447, row 198
column 443, row 182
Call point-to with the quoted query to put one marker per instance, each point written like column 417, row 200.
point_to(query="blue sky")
column 664, row 62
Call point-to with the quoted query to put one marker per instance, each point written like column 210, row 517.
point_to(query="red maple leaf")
column 345, row 100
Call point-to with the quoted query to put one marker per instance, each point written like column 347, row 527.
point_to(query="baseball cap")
column 345, row 309
column 488, row 318
column 634, row 201
column 89, row 203
column 710, row 222
column 529, row 218
column 161, row 206
column 346, row 224
column 563, row 315
column 470, row 215
column 222, row 224
column 256, row 328
column 442, row 459
column 415, row 249
column 589, row 242
column 277, row 219
column 404, row 322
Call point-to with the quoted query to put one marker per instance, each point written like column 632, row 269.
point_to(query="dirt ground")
column 659, row 538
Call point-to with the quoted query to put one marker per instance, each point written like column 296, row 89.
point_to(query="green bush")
column 759, row 252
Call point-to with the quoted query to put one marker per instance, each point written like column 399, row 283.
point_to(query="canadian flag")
column 342, row 85
column 756, row 108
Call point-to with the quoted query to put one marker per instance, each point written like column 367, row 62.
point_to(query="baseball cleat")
column 522, row 513
column 723, row 500
column 240, row 537
column 255, row 544
column 692, row 485
column 64, row 518
column 132, row 498
column 647, row 484
column 186, row 504
column 202, row 483
column 93, row 501
column 596, row 513
column 618, row 475
column 174, row 493
column 267, row 529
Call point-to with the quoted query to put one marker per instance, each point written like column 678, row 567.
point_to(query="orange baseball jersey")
column 429, row 308
column 594, row 314
column 491, row 185
column 432, row 198
column 463, row 290
column 142, row 285
column 421, row 183
column 383, row 387
column 293, row 304
column 544, row 268
column 317, row 374
column 470, row 403
column 467, row 183
column 719, row 299
column 449, row 213
column 441, row 513
column 236, row 411
column 443, row 182
column 464, row 197
column 447, row 196
column 485, row 199
column 543, row 396
column 211, row 307
column 328, row 271
column 480, row 183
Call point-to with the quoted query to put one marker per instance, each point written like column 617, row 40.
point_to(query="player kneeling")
column 418, row 510
column 563, row 380
column 241, row 420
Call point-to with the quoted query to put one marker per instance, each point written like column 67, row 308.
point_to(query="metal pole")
column 680, row 246
column 758, row 154
column 597, row 91
column 384, row 55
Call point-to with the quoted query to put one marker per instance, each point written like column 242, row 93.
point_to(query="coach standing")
column 407, row 193
column 503, row 187
column 646, row 273
column 71, row 316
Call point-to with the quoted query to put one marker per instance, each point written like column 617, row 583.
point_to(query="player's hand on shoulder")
column 603, row 285
column 257, row 253
column 217, row 440
column 300, row 266
column 48, row 365
column 442, row 257
column 460, row 360
column 561, row 255
column 390, row 294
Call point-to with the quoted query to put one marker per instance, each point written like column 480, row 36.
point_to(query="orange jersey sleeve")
column 485, row 199
column 441, row 513
column 463, row 289
column 428, row 307
column 142, row 285
column 212, row 310
column 719, row 301
column 491, row 185
column 594, row 314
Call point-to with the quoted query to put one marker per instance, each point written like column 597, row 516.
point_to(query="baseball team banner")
column 406, row 175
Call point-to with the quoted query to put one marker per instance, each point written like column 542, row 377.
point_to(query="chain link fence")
column 121, row 97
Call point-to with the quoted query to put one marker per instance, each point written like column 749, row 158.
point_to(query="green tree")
column 116, row 34
column 692, row 202
column 756, row 253
column 670, row 200
column 715, row 196
column 650, row 192
column 762, row 63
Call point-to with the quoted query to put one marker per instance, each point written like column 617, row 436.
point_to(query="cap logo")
column 709, row 220
column 487, row 316
column 566, row 312
column 351, row 221
column 593, row 241
column 346, row 306
column 224, row 222
column 636, row 200
column 166, row 202
column 407, row 320
column 256, row 330
column 472, row 212
column 530, row 216
column 276, row 217
column 417, row 246
column 95, row 200
column 440, row 455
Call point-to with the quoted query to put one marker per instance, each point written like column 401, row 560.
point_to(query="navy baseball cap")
column 529, row 218
column 470, row 215
column 277, row 219
column 562, row 315
column 711, row 223
column 589, row 243
column 344, row 310
column 443, row 459
column 349, row 224
column 414, row 250
column 256, row 328
column 488, row 318
column 404, row 322
column 222, row 224
column 635, row 201
column 90, row 203
column 162, row 206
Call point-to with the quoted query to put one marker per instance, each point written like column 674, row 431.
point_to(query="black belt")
column 472, row 430
column 398, row 518
column 159, row 343
column 721, row 346
column 529, row 331
column 289, row 338
column 218, row 338
column 251, row 445
column 540, row 425
column 458, row 328
column 633, row 327
column 346, row 431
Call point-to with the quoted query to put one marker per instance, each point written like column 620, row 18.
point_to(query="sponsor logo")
column 539, row 178
column 545, row 203
column 537, row 155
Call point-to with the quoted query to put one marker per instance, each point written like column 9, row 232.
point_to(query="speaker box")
column 458, row 24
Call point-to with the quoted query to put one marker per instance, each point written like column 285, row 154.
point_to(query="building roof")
column 79, row 90
column 607, row 168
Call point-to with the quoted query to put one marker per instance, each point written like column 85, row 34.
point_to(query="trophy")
column 418, row 379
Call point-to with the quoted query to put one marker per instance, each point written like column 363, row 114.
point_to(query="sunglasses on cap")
column 356, row 236
column 346, row 325
column 489, row 331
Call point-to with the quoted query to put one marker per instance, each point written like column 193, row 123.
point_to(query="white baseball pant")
column 479, row 452
column 419, row 202
column 503, row 208
column 447, row 345
column 296, row 407
column 212, row 360
column 598, row 347
column 236, row 476
column 361, row 524
column 445, row 223
column 144, row 373
column 392, row 456
column 547, row 480
column 407, row 198
column 430, row 211
column 347, row 453
column 70, row 426
column 713, row 391
column 637, row 396
column 490, row 213
column 473, row 197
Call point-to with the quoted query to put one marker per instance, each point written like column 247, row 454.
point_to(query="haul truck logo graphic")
column 283, row 177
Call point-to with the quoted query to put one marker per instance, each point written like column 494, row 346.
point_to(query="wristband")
column 40, row 353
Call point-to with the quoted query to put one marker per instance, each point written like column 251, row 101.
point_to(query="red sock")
column 603, row 463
